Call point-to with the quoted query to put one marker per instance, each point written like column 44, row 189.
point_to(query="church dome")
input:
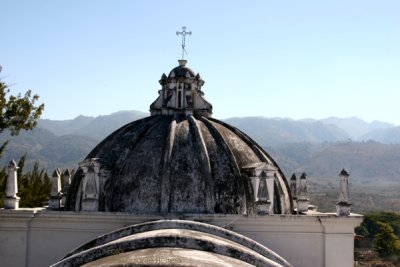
column 179, row 160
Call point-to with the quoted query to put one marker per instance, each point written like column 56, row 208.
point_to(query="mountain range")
column 94, row 127
column 319, row 147
column 270, row 130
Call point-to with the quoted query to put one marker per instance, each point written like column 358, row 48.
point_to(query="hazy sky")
column 297, row 59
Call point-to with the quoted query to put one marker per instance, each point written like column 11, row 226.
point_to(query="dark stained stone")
column 178, row 164
column 177, row 240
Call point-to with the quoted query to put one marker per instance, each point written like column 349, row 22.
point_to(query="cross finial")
column 183, row 33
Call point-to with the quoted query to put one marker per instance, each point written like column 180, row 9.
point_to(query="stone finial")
column 13, row 164
column 303, row 200
column 55, row 193
column 265, row 191
column 343, row 206
column 293, row 190
column 11, row 200
column 293, row 186
column 262, row 193
column 90, row 184
column 65, row 186
column 67, row 180
column 303, row 191
column 55, row 183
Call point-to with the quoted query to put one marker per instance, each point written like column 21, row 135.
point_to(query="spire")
column 303, row 200
column 293, row 186
column 90, row 184
column 11, row 200
column 344, row 172
column 65, row 186
column 263, row 203
column 303, row 192
column 343, row 206
column 55, row 193
column 262, row 193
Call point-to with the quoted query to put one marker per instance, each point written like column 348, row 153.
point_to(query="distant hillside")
column 63, row 127
column 356, row 127
column 49, row 150
column 366, row 161
column 94, row 127
column 272, row 132
column 102, row 126
column 387, row 136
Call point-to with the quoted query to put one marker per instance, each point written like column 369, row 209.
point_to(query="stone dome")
column 180, row 161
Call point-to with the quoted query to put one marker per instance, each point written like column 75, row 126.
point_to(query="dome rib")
column 129, row 181
column 284, row 185
column 204, row 157
column 243, row 203
column 221, row 140
column 107, row 146
column 107, row 152
column 192, row 184
column 165, row 172
column 130, row 146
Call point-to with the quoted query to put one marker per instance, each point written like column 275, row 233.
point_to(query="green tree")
column 371, row 220
column 362, row 230
column 387, row 244
column 34, row 186
column 3, row 181
column 3, row 178
column 18, row 112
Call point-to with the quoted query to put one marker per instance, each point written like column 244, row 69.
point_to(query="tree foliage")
column 382, row 232
column 387, row 244
column 3, row 182
column 18, row 112
column 372, row 219
column 21, row 113
column 35, row 188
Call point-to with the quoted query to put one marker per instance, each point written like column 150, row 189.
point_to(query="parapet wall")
column 35, row 237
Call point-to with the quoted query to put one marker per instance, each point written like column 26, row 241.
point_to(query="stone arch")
column 173, row 236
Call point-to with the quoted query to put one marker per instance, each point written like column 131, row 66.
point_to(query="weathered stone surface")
column 11, row 200
column 172, row 164
column 168, row 237
column 168, row 257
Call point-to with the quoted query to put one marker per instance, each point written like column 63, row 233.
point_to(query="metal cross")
column 183, row 33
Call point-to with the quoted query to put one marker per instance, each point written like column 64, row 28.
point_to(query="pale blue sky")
column 296, row 59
